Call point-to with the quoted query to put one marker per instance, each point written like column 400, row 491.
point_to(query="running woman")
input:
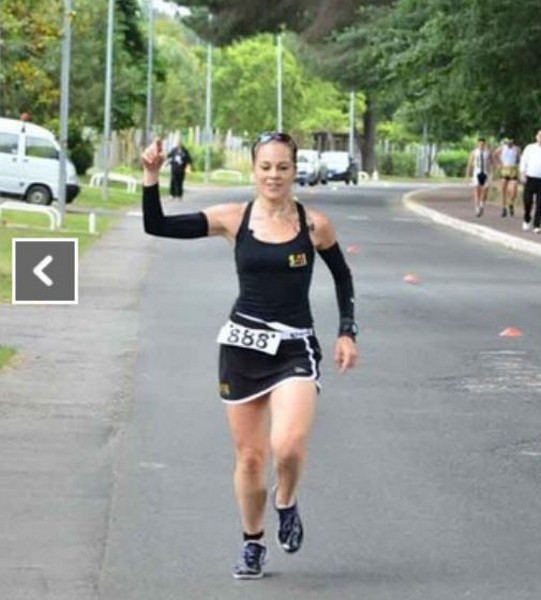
column 269, row 353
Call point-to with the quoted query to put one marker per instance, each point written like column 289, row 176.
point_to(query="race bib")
column 262, row 340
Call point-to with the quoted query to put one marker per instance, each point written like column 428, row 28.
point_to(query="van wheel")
column 39, row 194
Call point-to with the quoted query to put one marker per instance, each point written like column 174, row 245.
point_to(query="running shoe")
column 511, row 210
column 526, row 226
column 504, row 212
column 252, row 559
column 290, row 530
column 537, row 230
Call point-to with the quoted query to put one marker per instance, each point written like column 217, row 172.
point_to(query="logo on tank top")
column 297, row 260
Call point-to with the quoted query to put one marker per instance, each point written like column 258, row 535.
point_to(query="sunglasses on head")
column 274, row 136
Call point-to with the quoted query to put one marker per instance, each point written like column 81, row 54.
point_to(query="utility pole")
column 108, row 96
column 208, row 112
column 279, row 77
column 64, row 107
column 150, row 67
column 351, row 142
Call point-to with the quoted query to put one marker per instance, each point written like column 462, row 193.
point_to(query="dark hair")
column 275, row 136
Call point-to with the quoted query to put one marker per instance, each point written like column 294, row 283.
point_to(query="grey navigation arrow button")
column 39, row 268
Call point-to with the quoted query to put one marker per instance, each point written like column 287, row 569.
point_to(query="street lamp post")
column 150, row 66
column 108, row 96
column 64, row 106
column 208, row 112
column 351, row 144
column 279, row 77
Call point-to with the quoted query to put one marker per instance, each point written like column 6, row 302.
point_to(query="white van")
column 29, row 163
column 308, row 167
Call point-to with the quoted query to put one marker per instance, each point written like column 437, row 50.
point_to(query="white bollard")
column 92, row 222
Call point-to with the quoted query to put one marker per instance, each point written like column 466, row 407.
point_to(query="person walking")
column 269, row 354
column 180, row 161
column 479, row 168
column 507, row 159
column 530, row 174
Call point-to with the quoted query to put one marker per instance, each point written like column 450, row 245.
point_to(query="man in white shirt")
column 530, row 174
column 479, row 167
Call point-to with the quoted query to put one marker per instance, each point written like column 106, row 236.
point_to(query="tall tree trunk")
column 368, row 144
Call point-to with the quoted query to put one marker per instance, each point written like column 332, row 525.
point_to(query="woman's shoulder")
column 224, row 219
column 320, row 227
column 316, row 218
column 227, row 209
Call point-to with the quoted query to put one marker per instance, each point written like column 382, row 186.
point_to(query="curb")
column 505, row 239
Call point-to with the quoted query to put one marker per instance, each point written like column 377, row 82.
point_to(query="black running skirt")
column 246, row 374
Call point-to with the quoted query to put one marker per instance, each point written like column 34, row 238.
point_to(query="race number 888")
column 252, row 339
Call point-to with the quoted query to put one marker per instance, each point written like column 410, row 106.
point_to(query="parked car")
column 339, row 166
column 308, row 167
column 29, row 163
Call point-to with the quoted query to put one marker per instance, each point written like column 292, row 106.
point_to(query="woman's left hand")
column 345, row 353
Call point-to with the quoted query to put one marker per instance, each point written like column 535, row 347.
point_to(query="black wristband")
column 349, row 328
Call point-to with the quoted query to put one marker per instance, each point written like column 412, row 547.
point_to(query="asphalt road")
column 423, row 479
column 424, row 467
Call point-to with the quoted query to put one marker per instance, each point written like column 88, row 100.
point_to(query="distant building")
column 327, row 140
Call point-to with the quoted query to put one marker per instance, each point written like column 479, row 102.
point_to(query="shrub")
column 80, row 149
column 217, row 158
column 453, row 162
column 81, row 152
column 401, row 164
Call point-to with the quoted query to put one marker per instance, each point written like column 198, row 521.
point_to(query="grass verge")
column 6, row 354
column 15, row 224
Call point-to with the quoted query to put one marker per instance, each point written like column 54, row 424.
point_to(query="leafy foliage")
column 458, row 66
column 453, row 162
column 236, row 19
column 246, row 96
column 453, row 68
column 29, row 38
column 179, row 96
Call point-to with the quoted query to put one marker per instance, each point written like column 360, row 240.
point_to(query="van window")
column 40, row 147
column 8, row 143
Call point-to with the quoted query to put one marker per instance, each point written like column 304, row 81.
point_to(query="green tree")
column 29, row 43
column 462, row 66
column 88, row 64
column 245, row 86
column 237, row 19
column 179, row 96
column 245, row 80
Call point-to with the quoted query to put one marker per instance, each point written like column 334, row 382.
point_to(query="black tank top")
column 274, row 278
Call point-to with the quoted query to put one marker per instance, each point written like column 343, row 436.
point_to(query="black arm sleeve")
column 192, row 225
column 343, row 282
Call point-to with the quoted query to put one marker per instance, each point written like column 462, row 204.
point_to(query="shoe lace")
column 289, row 523
column 252, row 554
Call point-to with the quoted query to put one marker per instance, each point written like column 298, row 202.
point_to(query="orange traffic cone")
column 411, row 278
column 511, row 332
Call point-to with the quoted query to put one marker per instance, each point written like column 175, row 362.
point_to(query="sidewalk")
column 453, row 206
column 63, row 405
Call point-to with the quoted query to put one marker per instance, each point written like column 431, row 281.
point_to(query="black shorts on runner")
column 246, row 374
column 482, row 179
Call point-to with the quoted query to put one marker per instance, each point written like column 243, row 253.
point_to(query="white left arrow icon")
column 38, row 271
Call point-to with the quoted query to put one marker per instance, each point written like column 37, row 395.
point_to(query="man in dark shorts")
column 479, row 169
